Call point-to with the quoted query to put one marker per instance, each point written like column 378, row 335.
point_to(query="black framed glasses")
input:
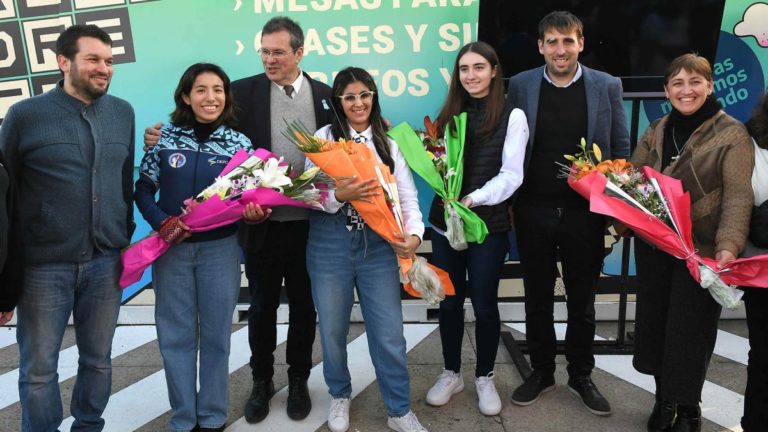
column 365, row 96
column 276, row 54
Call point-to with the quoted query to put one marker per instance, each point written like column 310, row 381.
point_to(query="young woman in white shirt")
column 494, row 149
column 343, row 253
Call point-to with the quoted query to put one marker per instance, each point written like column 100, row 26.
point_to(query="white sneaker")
column 487, row 396
column 448, row 384
column 338, row 415
column 406, row 423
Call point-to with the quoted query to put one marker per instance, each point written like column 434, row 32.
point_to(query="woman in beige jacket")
column 676, row 319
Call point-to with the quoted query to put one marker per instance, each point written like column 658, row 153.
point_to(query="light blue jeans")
column 196, row 287
column 338, row 260
column 51, row 293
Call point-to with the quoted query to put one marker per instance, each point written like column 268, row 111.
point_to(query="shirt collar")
column 296, row 84
column 70, row 102
column 366, row 135
column 575, row 77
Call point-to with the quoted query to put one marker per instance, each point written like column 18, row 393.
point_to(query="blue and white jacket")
column 180, row 167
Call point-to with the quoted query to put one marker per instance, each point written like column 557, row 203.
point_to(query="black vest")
column 482, row 162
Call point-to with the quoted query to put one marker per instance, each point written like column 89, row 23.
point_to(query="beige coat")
column 715, row 168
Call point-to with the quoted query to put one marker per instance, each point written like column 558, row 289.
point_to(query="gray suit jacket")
column 606, row 120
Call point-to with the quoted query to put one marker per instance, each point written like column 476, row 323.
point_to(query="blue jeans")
column 196, row 287
column 338, row 260
column 483, row 263
column 51, row 293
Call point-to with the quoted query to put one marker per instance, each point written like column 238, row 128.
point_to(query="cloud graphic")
column 755, row 24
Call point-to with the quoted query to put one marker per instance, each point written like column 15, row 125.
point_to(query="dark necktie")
column 354, row 220
column 288, row 91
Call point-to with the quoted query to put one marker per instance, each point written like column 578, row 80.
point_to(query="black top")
column 11, row 252
column 680, row 127
column 482, row 162
column 203, row 131
column 561, row 123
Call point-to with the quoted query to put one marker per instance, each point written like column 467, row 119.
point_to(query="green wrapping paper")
column 416, row 156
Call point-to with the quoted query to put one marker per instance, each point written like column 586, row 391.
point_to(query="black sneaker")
column 217, row 429
column 531, row 390
column 590, row 396
column 299, row 403
column 662, row 417
column 257, row 406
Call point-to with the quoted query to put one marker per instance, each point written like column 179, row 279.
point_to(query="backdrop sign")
column 408, row 46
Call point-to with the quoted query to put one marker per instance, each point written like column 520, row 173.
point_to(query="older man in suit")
column 275, row 251
column 564, row 102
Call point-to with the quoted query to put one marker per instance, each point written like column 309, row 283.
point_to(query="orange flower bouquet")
column 624, row 181
column 344, row 159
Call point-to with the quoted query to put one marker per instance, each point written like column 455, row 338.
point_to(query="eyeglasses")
column 276, row 54
column 365, row 96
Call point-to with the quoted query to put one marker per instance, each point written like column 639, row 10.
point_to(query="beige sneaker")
column 338, row 415
column 406, row 423
column 448, row 384
column 487, row 397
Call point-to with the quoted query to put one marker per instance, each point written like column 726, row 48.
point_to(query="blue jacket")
column 73, row 165
column 180, row 167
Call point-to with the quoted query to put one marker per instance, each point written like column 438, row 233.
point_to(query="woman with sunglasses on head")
column 494, row 148
column 343, row 253
column 197, row 280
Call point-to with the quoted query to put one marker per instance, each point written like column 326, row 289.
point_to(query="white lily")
column 272, row 175
column 220, row 187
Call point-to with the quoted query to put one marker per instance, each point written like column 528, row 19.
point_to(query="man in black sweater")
column 564, row 102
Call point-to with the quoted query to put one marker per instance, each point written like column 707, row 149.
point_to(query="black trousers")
column 675, row 325
column 283, row 256
column 475, row 272
column 576, row 235
column 756, row 396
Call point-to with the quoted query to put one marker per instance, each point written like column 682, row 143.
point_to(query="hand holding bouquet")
column 258, row 177
column 440, row 162
column 657, row 209
column 381, row 212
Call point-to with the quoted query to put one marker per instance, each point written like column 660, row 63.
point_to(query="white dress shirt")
column 573, row 80
column 406, row 188
column 296, row 84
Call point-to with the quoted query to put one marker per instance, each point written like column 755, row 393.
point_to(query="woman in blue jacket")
column 197, row 280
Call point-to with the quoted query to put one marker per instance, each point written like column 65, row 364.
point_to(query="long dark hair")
column 458, row 96
column 183, row 116
column 339, row 126
column 757, row 125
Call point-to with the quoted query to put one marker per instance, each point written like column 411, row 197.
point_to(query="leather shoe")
column 299, row 403
column 663, row 416
column 531, row 390
column 218, row 429
column 257, row 406
column 590, row 396
column 688, row 419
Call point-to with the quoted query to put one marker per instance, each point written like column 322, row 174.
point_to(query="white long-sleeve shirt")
column 510, row 177
column 406, row 188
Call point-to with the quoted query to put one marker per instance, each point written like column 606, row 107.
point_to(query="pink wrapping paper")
column 752, row 272
column 210, row 214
